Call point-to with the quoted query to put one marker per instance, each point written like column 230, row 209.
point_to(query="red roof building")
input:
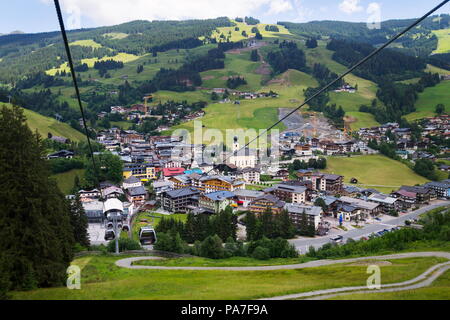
column 171, row 172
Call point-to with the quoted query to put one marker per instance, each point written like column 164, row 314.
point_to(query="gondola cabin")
column 147, row 235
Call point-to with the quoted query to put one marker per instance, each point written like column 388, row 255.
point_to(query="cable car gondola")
column 110, row 235
column 147, row 235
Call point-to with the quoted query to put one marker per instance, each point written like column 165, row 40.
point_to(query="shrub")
column 261, row 253
column 124, row 245
column 212, row 247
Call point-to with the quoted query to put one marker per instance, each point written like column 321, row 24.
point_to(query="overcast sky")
column 39, row 15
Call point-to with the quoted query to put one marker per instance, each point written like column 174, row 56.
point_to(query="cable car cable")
column 367, row 58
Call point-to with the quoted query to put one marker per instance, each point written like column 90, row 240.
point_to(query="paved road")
column 128, row 262
column 303, row 244
column 421, row 281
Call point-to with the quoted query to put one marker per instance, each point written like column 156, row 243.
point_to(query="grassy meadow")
column 102, row 279
column 44, row 125
column 378, row 171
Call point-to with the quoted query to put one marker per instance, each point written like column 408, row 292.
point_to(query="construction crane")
column 146, row 98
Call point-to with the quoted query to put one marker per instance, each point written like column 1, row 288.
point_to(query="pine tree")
column 79, row 222
column 36, row 244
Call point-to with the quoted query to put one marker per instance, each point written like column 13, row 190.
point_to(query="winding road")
column 423, row 280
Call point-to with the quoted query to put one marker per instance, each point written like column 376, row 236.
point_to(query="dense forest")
column 288, row 56
column 387, row 64
column 418, row 42
column 398, row 99
column 24, row 54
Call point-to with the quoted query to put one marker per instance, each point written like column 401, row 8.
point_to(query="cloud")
column 279, row 6
column 350, row 6
column 108, row 12
column 302, row 13
column 374, row 7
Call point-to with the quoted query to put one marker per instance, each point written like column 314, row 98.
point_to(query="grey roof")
column 289, row 188
column 442, row 184
column 331, row 176
column 248, row 193
column 137, row 191
column 220, row 195
column 359, row 203
column 270, row 197
column 160, row 184
column 299, row 209
column 189, row 191
column 132, row 179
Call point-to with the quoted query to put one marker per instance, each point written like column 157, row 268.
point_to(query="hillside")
column 44, row 125
column 376, row 172
column 145, row 50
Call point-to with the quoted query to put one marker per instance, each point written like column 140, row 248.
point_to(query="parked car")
column 337, row 239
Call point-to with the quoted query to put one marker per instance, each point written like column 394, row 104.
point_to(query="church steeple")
column 235, row 144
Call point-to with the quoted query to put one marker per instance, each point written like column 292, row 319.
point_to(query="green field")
column 374, row 170
column 87, row 43
column 44, row 125
column 101, row 279
column 439, row 290
column 236, row 64
column 363, row 120
column 237, row 35
column 65, row 180
column 429, row 99
column 444, row 40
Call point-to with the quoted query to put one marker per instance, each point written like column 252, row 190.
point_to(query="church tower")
column 235, row 145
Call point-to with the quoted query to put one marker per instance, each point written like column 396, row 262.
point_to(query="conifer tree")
column 36, row 238
column 79, row 222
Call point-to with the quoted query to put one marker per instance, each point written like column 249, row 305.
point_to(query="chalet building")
column 423, row 194
column 210, row 184
column 172, row 172
column 348, row 212
column 333, row 183
column 180, row 200
column 131, row 182
column 245, row 197
column 143, row 171
column 216, row 201
column 265, row 203
column 63, row 154
column 296, row 212
column 137, row 195
column 406, row 199
column 365, row 208
column 322, row 182
column 181, row 181
column 249, row 175
column 303, row 150
column 441, row 189
column 386, row 202
column 89, row 194
column 161, row 186
column 112, row 192
column 94, row 211
column 288, row 193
